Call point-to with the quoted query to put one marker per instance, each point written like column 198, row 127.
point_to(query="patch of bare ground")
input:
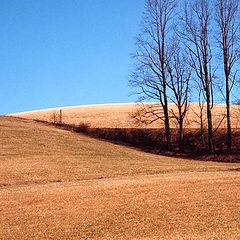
column 57, row 184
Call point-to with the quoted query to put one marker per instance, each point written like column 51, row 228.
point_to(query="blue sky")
column 66, row 52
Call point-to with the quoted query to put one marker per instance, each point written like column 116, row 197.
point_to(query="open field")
column 120, row 116
column 56, row 184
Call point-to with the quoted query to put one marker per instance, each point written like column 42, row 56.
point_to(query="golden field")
column 121, row 115
column 56, row 184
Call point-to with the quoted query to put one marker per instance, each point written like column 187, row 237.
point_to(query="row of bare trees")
column 182, row 46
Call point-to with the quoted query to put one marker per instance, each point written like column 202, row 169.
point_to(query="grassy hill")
column 56, row 184
column 121, row 116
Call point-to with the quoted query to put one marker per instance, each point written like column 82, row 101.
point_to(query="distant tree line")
column 184, row 47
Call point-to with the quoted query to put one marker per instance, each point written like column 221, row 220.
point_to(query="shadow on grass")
column 153, row 141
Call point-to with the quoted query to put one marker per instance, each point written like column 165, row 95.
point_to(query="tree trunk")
column 181, row 146
column 202, row 132
column 210, row 128
column 167, row 125
column 227, row 80
column 229, row 133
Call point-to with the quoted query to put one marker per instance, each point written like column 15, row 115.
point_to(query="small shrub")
column 83, row 127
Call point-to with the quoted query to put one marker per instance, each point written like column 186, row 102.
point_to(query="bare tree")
column 180, row 73
column 228, row 25
column 60, row 116
column 200, row 115
column 147, row 113
column 195, row 31
column 57, row 117
column 53, row 117
column 151, row 57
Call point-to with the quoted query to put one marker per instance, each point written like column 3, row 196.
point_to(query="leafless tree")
column 60, row 116
column 151, row 57
column 57, row 117
column 180, row 74
column 195, row 31
column 198, row 113
column 53, row 117
column 147, row 113
column 228, row 24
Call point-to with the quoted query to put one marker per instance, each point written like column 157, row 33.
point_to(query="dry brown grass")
column 120, row 116
column 57, row 184
column 170, row 206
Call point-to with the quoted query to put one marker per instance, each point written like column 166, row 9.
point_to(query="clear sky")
column 66, row 52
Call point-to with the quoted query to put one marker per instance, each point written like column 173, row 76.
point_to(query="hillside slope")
column 56, row 184
column 121, row 115
column 36, row 153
